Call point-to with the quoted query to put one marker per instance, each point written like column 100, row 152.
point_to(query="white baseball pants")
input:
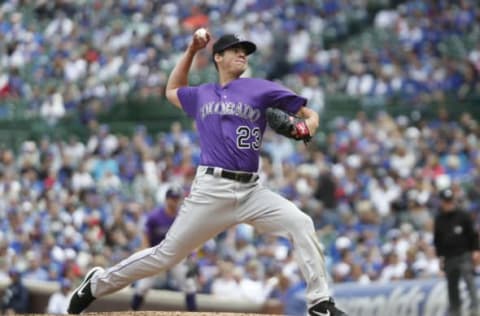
column 179, row 274
column 214, row 205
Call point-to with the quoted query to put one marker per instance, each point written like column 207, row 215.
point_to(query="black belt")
column 244, row 177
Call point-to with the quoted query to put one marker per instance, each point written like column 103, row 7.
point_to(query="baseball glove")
column 284, row 124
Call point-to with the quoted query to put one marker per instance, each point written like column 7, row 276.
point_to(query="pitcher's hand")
column 199, row 42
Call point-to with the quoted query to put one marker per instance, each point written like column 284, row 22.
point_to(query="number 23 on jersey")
column 248, row 138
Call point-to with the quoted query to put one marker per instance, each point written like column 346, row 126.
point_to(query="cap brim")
column 249, row 46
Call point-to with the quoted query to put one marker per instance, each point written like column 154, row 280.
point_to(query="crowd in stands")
column 59, row 57
column 370, row 184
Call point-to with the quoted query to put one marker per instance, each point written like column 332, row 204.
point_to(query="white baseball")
column 201, row 33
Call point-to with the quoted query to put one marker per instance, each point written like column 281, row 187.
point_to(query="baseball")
column 201, row 33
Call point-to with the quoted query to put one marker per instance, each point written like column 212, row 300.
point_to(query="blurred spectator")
column 52, row 108
column 291, row 294
column 394, row 268
column 254, row 287
column 226, row 284
column 242, row 250
column 16, row 296
column 35, row 270
column 208, row 265
column 58, row 301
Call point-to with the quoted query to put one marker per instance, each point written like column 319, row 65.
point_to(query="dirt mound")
column 157, row 313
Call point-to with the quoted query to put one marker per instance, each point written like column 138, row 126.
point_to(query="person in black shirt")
column 456, row 242
column 16, row 297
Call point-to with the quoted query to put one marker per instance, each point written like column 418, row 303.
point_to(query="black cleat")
column 82, row 296
column 325, row 308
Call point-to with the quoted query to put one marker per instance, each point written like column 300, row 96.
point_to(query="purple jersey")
column 157, row 225
column 231, row 119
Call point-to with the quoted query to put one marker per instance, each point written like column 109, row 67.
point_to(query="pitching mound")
column 154, row 313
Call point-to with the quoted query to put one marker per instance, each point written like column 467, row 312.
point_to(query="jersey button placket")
column 222, row 96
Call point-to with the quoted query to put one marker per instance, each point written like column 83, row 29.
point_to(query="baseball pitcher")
column 231, row 117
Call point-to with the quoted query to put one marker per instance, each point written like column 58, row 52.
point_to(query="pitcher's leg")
column 271, row 213
column 200, row 218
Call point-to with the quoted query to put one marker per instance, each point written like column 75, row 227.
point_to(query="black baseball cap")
column 446, row 195
column 229, row 40
column 174, row 192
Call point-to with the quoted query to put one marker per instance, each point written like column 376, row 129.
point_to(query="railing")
column 160, row 300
